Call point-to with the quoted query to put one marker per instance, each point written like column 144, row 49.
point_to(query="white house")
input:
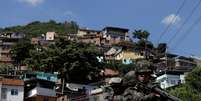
column 170, row 78
column 50, row 36
column 42, row 92
column 11, row 90
column 76, row 87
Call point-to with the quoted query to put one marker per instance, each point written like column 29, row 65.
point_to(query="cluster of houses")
column 40, row 86
column 34, row 86
column 114, row 44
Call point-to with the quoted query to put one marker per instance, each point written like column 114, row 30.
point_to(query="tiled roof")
column 12, row 82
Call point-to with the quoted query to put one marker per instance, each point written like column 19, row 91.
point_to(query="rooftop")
column 11, row 82
column 170, row 73
column 85, row 29
column 116, row 28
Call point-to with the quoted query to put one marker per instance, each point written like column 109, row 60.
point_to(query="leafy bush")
column 191, row 91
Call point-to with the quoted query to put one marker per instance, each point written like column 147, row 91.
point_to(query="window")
column 122, row 38
column 173, row 82
column 114, row 37
column 3, row 93
column 50, row 38
column 14, row 92
column 124, row 60
column 48, row 78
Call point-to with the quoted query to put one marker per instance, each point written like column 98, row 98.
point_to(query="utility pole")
column 166, row 61
column 145, row 48
column 63, row 84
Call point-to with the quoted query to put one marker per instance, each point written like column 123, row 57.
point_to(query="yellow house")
column 125, row 55
column 128, row 55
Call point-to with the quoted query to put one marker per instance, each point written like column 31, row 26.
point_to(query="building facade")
column 50, row 36
column 11, row 90
column 127, row 56
column 171, row 78
column 179, row 63
column 39, row 88
column 114, row 35
column 185, row 63
column 7, row 40
column 89, row 36
column 90, row 39
column 82, row 32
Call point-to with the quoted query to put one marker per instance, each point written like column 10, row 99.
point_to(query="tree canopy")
column 141, row 34
column 37, row 28
column 64, row 56
column 191, row 90
column 20, row 51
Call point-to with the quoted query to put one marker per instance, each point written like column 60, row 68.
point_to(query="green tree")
column 20, row 51
column 191, row 90
column 79, row 60
column 142, row 37
column 37, row 28
column 70, row 58
column 141, row 34
column 5, row 68
column 37, row 58
column 143, row 44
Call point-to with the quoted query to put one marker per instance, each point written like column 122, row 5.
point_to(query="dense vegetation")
column 68, row 58
column 38, row 28
column 77, row 63
column 191, row 90
column 6, row 68
column 73, row 60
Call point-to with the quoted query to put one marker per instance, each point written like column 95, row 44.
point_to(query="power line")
column 187, row 32
column 183, row 51
column 185, row 21
column 172, row 20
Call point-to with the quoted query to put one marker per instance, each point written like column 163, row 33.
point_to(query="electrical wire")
column 187, row 33
column 185, row 21
column 172, row 20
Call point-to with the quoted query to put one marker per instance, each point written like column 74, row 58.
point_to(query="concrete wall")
column 18, row 97
column 95, row 40
column 41, row 98
column 128, row 55
column 168, row 80
column 81, row 33
column 42, row 91
column 50, row 35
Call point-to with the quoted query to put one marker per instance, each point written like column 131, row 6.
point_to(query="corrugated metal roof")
column 114, row 51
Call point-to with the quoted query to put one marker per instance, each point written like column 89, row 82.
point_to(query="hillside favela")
column 100, row 50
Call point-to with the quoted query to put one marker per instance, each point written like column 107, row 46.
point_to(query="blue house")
column 41, row 75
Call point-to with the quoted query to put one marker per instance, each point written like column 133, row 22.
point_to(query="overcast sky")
column 151, row 15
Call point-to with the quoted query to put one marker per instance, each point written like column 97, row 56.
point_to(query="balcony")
column 8, row 43
column 5, row 51
column 5, row 60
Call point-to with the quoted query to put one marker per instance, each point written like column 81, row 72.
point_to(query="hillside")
column 37, row 28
